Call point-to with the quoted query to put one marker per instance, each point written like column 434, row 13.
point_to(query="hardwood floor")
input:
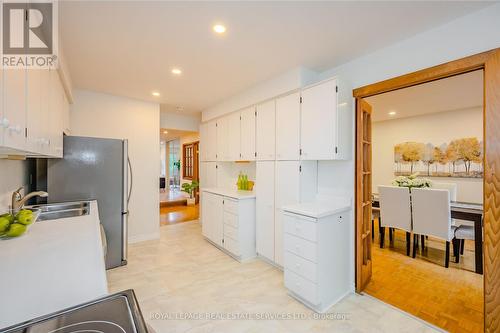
column 450, row 298
column 177, row 214
column 172, row 198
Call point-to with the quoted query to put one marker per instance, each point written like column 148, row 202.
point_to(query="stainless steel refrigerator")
column 94, row 168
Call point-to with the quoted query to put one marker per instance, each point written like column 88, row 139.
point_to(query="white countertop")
column 229, row 192
column 320, row 208
column 55, row 265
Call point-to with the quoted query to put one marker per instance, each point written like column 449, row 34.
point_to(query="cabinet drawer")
column 302, row 287
column 301, row 247
column 232, row 246
column 300, row 227
column 230, row 231
column 231, row 206
column 301, row 266
column 231, row 219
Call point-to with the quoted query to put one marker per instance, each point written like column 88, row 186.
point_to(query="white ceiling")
column 129, row 48
column 173, row 134
column 454, row 93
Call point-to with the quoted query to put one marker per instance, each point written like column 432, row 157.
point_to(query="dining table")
column 467, row 211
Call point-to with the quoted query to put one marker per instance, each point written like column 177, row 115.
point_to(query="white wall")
column 172, row 120
column 436, row 128
column 106, row 116
column 13, row 174
column 228, row 172
column 291, row 80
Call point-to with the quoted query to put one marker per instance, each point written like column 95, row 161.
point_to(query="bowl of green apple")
column 13, row 225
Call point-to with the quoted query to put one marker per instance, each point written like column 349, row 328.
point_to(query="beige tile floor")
column 183, row 275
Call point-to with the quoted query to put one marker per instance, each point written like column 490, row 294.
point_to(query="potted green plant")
column 190, row 188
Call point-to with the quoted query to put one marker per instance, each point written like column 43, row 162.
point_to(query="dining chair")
column 395, row 212
column 375, row 215
column 431, row 213
column 452, row 187
column 461, row 234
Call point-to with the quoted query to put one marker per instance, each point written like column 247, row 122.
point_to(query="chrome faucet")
column 18, row 200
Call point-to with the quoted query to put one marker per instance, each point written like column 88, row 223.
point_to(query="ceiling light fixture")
column 155, row 94
column 165, row 132
column 392, row 113
column 219, row 28
column 176, row 71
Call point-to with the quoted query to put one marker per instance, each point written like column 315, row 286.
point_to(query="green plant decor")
column 178, row 164
column 190, row 187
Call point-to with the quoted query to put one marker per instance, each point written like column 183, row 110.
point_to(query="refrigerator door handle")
column 131, row 175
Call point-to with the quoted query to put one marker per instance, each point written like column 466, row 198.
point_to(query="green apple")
column 25, row 219
column 16, row 229
column 24, row 212
column 9, row 217
column 4, row 224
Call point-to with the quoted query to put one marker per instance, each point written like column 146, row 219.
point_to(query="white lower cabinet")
column 316, row 261
column 229, row 222
column 208, row 174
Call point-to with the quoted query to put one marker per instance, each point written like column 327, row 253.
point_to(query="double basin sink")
column 56, row 211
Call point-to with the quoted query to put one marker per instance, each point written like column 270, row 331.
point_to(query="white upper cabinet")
column 222, row 145
column 319, row 122
column 57, row 108
column 266, row 131
column 208, row 141
column 14, row 108
column 288, row 127
column 248, row 134
column 234, row 136
column 37, row 111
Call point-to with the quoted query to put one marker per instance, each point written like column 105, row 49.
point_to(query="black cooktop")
column 117, row 313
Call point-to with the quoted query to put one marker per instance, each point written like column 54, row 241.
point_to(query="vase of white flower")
column 411, row 181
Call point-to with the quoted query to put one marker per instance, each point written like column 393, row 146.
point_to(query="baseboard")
column 143, row 238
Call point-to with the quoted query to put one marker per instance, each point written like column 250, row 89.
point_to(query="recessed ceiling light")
column 392, row 113
column 176, row 71
column 155, row 94
column 219, row 28
column 165, row 132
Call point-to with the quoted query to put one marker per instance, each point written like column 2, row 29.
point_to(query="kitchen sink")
column 62, row 210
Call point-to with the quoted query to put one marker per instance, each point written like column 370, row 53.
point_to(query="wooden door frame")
column 489, row 62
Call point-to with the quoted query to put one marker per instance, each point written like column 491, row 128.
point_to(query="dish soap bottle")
column 240, row 181
column 245, row 182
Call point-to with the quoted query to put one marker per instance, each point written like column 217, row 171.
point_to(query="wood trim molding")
column 489, row 61
column 492, row 193
column 448, row 69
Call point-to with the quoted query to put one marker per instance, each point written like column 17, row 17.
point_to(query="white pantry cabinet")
column 277, row 184
column 288, row 127
column 266, row 131
column 264, row 202
column 208, row 141
column 228, row 221
column 208, row 174
column 325, row 122
column 233, row 137
column 248, row 134
column 222, row 139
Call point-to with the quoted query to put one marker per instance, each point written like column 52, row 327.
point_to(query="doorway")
column 489, row 62
column 180, row 170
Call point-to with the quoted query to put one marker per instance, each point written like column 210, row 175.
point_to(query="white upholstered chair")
column 452, row 187
column 395, row 211
column 461, row 234
column 432, row 216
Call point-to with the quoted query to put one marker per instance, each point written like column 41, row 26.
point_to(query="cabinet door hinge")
column 222, row 201
column 336, row 88
column 240, row 117
column 336, row 150
column 222, row 240
column 26, row 132
column 255, row 154
column 216, row 166
column 256, row 113
column 215, row 124
column 300, row 99
column 300, row 151
column 300, row 168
